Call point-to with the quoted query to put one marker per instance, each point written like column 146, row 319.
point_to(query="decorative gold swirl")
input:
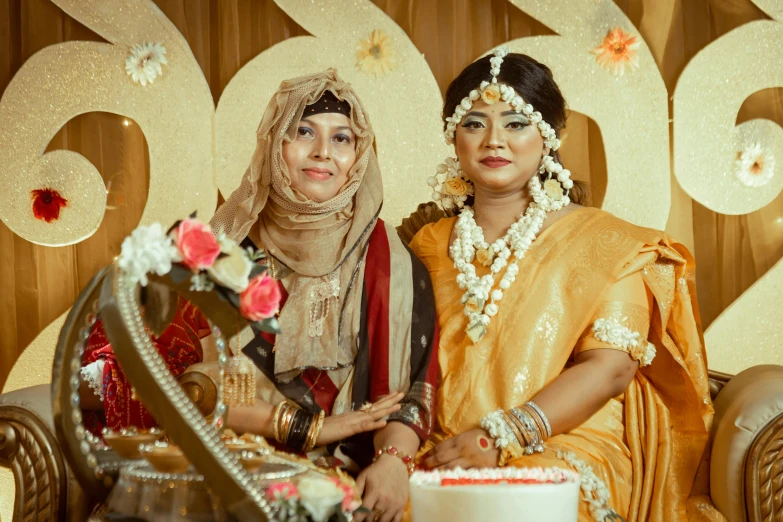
column 72, row 78
column 631, row 110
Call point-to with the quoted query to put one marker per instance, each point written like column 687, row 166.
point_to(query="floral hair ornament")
column 450, row 185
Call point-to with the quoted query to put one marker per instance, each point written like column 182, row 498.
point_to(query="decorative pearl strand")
column 480, row 299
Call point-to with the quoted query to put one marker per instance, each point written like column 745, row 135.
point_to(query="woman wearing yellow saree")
column 569, row 337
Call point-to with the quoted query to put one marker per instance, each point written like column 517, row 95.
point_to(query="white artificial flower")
column 145, row 62
column 233, row 270
column 147, row 249
column 754, row 166
column 320, row 497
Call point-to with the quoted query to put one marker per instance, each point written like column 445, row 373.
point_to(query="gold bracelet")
column 533, row 414
column 516, row 429
column 287, row 418
column 276, row 420
column 542, row 417
column 315, row 430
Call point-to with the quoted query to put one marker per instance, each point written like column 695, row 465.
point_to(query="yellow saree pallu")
column 646, row 445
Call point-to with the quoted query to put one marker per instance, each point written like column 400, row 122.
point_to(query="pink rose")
column 196, row 244
column 282, row 491
column 350, row 503
column 261, row 299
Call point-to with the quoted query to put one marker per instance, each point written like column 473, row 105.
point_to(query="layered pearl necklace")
column 480, row 299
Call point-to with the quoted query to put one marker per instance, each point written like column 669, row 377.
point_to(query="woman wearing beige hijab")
column 352, row 351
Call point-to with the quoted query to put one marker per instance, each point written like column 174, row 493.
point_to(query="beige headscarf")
column 323, row 244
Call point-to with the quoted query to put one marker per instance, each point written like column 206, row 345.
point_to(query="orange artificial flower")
column 617, row 49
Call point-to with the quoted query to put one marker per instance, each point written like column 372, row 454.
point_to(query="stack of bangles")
column 526, row 425
column 296, row 428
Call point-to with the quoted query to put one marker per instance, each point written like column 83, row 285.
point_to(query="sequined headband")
column 328, row 102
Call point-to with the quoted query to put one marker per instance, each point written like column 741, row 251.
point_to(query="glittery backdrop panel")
column 404, row 104
column 707, row 142
column 65, row 80
column 708, row 96
column 631, row 110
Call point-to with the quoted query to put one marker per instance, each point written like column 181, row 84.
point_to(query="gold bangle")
column 315, row 430
column 287, row 418
column 276, row 420
column 544, row 422
column 529, row 436
column 533, row 414
column 515, row 429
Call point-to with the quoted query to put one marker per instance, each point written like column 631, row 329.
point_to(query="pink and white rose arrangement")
column 189, row 248
column 315, row 498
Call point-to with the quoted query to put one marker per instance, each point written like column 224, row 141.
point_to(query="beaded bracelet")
column 391, row 450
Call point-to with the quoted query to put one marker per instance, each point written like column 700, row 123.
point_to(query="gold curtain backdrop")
column 39, row 283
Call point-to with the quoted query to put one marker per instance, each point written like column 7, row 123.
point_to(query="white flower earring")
column 450, row 186
column 551, row 193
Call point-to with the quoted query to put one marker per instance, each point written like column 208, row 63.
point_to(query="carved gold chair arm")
column 44, row 488
column 746, row 464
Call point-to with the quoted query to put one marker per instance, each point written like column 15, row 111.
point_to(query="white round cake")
column 514, row 494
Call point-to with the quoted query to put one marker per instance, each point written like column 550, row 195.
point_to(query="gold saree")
column 645, row 445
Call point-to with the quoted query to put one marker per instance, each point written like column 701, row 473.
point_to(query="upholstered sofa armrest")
column 200, row 384
column 45, row 489
column 747, row 450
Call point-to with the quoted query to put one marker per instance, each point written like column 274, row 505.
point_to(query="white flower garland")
column 595, row 490
column 92, row 374
column 480, row 297
column 491, row 92
column 612, row 332
column 495, row 423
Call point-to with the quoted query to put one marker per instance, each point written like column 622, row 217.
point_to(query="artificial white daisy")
column 754, row 166
column 148, row 249
column 145, row 62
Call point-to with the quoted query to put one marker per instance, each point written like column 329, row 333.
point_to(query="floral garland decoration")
column 481, row 298
column 595, row 490
column 189, row 248
column 615, row 334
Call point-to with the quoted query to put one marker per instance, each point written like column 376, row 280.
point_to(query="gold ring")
column 366, row 407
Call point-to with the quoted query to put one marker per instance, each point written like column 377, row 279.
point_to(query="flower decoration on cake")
column 376, row 54
column 145, row 62
column 47, row 204
column 617, row 50
column 754, row 166
column 190, row 249
column 313, row 498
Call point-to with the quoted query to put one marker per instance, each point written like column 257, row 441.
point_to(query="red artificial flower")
column 47, row 204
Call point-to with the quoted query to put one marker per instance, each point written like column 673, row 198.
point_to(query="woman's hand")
column 472, row 449
column 342, row 426
column 384, row 488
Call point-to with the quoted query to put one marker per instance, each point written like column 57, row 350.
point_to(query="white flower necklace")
column 480, row 299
